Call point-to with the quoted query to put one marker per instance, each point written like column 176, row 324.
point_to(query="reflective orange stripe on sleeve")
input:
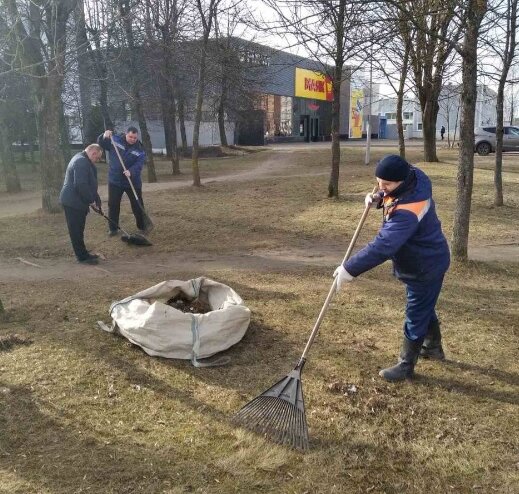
column 419, row 208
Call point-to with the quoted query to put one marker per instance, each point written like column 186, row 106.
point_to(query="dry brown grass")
column 85, row 411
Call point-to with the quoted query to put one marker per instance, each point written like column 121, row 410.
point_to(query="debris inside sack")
column 10, row 340
column 182, row 303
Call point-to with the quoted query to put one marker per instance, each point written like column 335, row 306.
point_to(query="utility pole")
column 368, row 126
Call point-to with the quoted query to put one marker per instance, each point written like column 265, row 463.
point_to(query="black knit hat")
column 392, row 168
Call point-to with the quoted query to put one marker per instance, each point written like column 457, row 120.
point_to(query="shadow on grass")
column 479, row 391
column 50, row 455
column 507, row 377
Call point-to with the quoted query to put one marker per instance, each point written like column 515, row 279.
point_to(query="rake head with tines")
column 279, row 413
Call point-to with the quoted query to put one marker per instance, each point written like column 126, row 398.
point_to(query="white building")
column 448, row 114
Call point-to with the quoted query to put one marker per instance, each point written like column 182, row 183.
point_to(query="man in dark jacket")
column 412, row 238
column 79, row 192
column 133, row 156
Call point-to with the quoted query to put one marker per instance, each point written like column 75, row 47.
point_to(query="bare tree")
column 100, row 25
column 127, row 11
column 475, row 12
column 41, row 34
column 207, row 12
column 332, row 33
column 501, row 43
column 9, row 112
column 432, row 30
column 392, row 62
column 166, row 17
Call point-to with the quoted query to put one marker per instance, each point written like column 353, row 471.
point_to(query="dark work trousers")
column 115, row 195
column 420, row 309
column 76, row 220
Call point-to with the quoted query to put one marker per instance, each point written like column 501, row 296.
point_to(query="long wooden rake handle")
column 125, row 169
column 333, row 288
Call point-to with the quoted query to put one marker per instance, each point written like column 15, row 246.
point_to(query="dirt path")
column 280, row 165
column 289, row 260
column 19, row 269
column 29, row 202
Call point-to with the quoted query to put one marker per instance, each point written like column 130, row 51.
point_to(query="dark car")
column 485, row 139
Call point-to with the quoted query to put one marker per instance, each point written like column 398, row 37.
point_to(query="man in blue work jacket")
column 78, row 193
column 412, row 238
column 133, row 156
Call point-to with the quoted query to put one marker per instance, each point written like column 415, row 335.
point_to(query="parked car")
column 485, row 139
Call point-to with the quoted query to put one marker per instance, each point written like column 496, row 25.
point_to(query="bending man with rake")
column 79, row 192
column 133, row 155
column 412, row 238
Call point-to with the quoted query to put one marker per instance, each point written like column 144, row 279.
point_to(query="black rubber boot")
column 432, row 344
column 405, row 367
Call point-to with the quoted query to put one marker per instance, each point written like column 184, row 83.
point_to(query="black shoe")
column 432, row 344
column 405, row 367
column 89, row 260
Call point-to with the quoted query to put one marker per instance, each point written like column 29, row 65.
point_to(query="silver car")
column 485, row 139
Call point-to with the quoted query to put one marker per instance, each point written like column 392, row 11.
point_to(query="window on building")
column 285, row 127
column 408, row 115
column 419, row 126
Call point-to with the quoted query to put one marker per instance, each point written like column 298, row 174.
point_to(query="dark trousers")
column 115, row 195
column 76, row 220
column 420, row 309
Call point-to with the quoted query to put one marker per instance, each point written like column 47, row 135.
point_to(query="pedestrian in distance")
column 442, row 132
column 133, row 155
column 411, row 236
column 78, row 193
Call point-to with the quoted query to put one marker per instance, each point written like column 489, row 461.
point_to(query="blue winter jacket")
column 80, row 186
column 132, row 156
column 410, row 236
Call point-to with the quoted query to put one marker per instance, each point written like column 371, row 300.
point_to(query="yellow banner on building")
column 314, row 85
column 356, row 104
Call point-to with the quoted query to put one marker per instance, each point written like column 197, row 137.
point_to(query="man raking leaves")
column 126, row 158
column 411, row 236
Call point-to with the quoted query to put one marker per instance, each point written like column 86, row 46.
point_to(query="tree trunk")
column 11, row 178
column 222, row 105
column 146, row 140
column 175, row 158
column 333, row 184
column 85, row 98
column 64, row 135
column 48, row 110
column 164, row 109
column 221, row 122
column 460, row 232
column 509, row 54
column 171, row 107
column 198, row 114
column 182, row 124
column 455, row 127
column 498, row 169
column 136, row 103
column 34, row 164
column 400, row 102
column 429, row 118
